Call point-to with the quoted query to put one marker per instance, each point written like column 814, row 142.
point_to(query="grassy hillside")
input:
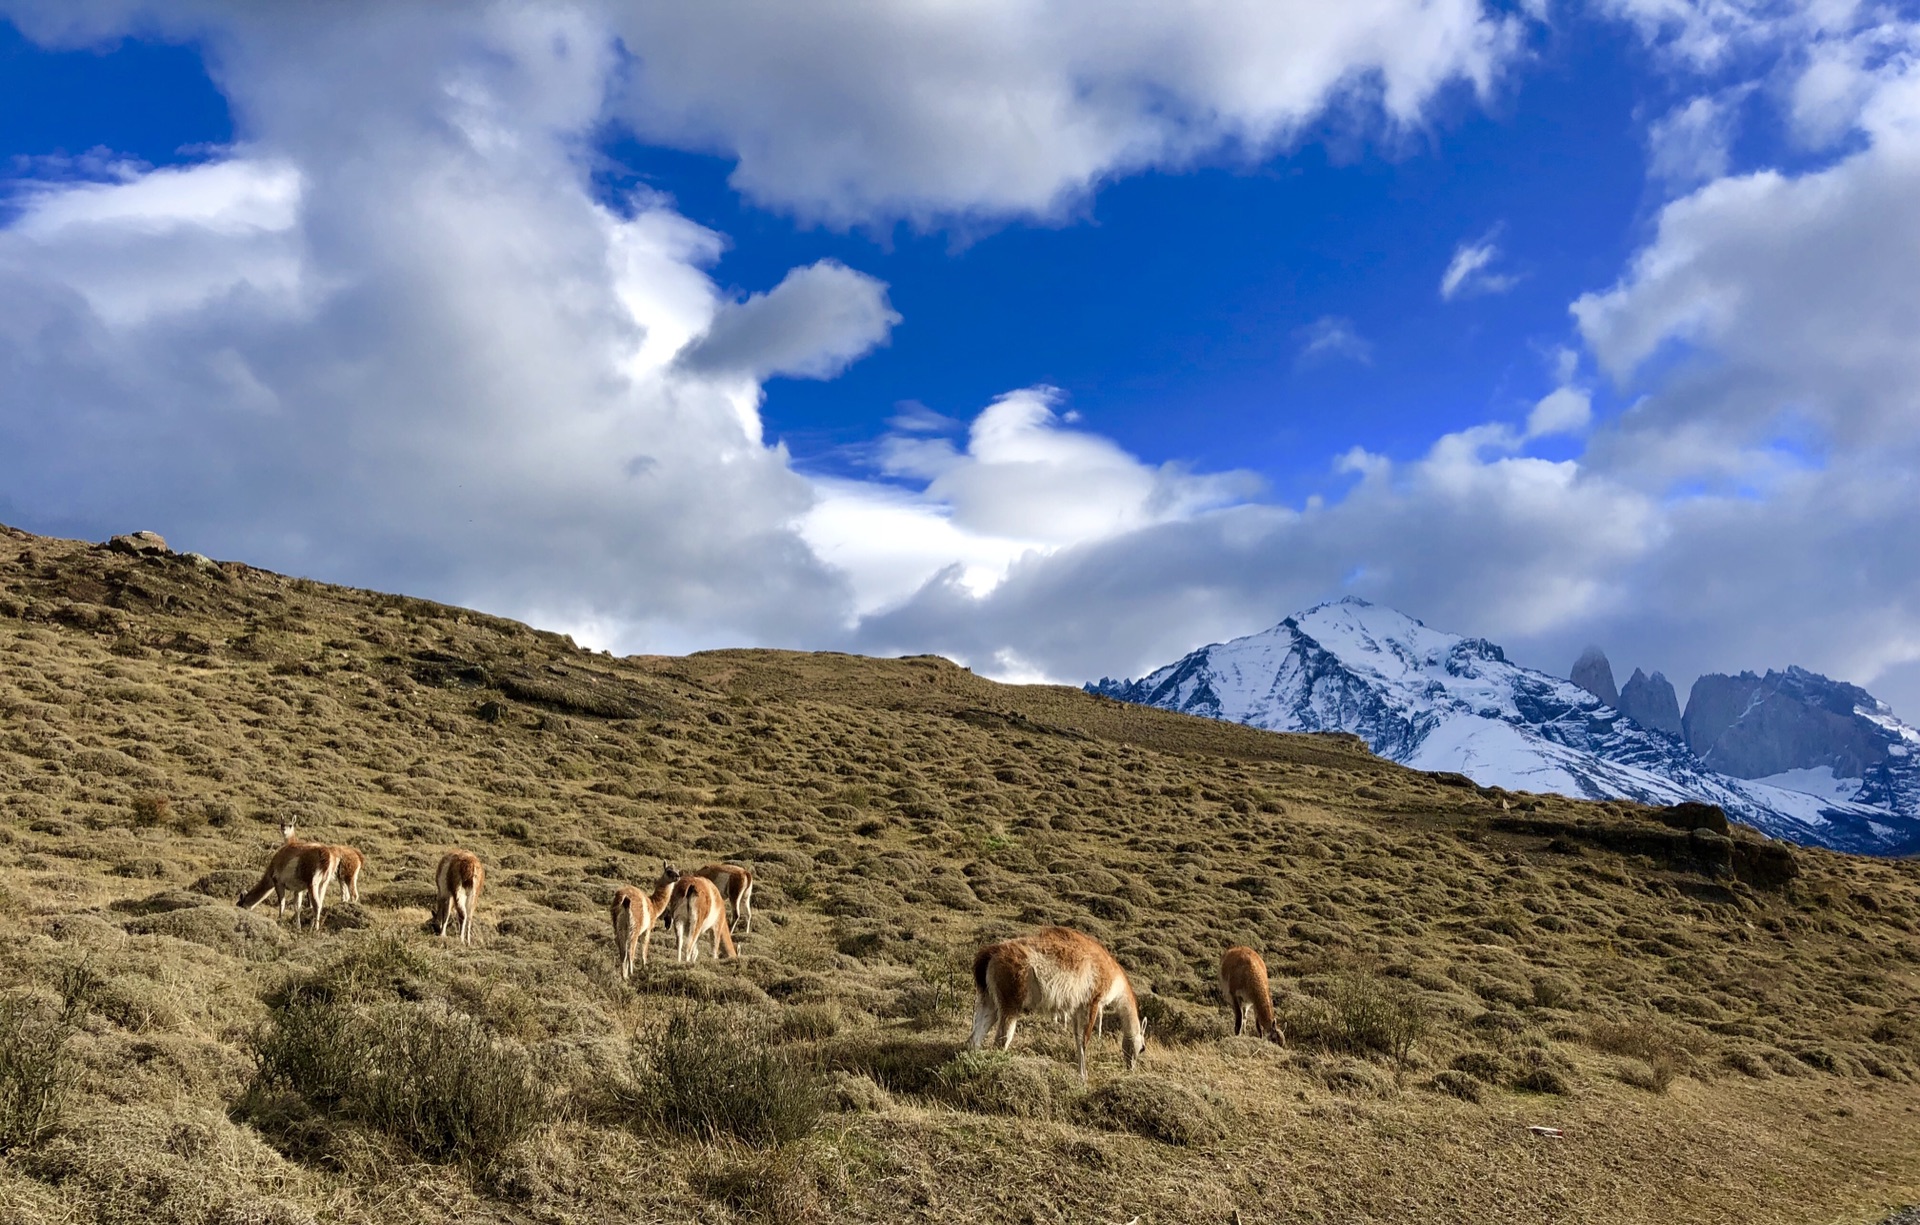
column 1722, row 1029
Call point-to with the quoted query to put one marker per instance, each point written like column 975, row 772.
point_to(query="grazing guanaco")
column 1243, row 981
column 298, row 870
column 736, row 886
column 1055, row 970
column 458, row 879
column 351, row 861
column 634, row 914
column 697, row 909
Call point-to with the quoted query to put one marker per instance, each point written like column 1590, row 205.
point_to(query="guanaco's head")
column 1132, row 1048
column 286, row 831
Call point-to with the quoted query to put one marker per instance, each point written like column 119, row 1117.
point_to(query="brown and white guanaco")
column 297, row 870
column 635, row 912
column 736, row 886
column 1243, row 981
column 1055, row 970
column 696, row 909
column 458, row 880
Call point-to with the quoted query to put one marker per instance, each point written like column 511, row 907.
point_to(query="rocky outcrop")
column 1651, row 702
column 140, row 544
column 1594, row 674
column 1757, row 726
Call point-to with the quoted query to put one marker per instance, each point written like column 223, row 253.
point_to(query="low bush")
column 36, row 1071
column 1360, row 1014
column 436, row 1080
column 1657, row 1050
column 711, row 1074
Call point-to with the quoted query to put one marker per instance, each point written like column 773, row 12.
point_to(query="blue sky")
column 1056, row 343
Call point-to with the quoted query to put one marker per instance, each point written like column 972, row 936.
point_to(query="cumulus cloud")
column 813, row 324
column 1470, row 271
column 392, row 338
column 1025, row 483
column 854, row 113
column 1331, row 337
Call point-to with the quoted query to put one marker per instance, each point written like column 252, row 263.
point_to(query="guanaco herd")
column 1055, row 972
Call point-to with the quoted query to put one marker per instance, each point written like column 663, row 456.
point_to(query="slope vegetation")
column 1718, row 1027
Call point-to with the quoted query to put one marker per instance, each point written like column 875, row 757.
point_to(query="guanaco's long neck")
column 1128, row 1009
column 662, row 894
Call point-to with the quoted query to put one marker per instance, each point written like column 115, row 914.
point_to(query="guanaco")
column 736, row 886
column 298, row 870
column 1055, row 970
column 635, row 913
column 351, row 861
column 458, row 879
column 1243, row 981
column 697, row 909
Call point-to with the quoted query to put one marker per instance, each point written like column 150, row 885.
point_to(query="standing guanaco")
column 736, row 886
column 635, row 913
column 458, row 880
column 298, row 870
column 697, row 909
column 1243, row 981
column 1055, row 970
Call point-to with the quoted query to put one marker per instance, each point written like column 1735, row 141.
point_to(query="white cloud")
column 392, row 339
column 1690, row 144
column 1026, row 484
column 813, row 324
column 858, row 113
column 1330, row 337
column 1564, row 410
column 1470, row 271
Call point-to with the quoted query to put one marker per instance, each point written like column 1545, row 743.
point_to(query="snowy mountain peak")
column 1440, row 701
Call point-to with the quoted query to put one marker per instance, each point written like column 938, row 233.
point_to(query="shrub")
column 1541, row 1071
column 1653, row 1075
column 712, row 1073
column 434, row 1079
column 1659, row 1050
column 1488, row 1066
column 809, row 1023
column 36, row 1072
column 150, row 809
column 1360, row 1014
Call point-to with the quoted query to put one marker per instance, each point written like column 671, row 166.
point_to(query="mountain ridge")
column 1442, row 701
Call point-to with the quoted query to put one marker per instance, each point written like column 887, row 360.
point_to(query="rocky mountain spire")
column 1651, row 702
column 1594, row 674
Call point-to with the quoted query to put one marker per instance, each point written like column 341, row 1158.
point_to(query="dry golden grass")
column 1454, row 964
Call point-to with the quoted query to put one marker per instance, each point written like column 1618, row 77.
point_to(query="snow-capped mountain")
column 1802, row 730
column 1438, row 701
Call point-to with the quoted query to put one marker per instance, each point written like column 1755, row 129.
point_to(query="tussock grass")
column 712, row 1074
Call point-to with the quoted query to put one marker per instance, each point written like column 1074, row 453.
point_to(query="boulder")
column 140, row 544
